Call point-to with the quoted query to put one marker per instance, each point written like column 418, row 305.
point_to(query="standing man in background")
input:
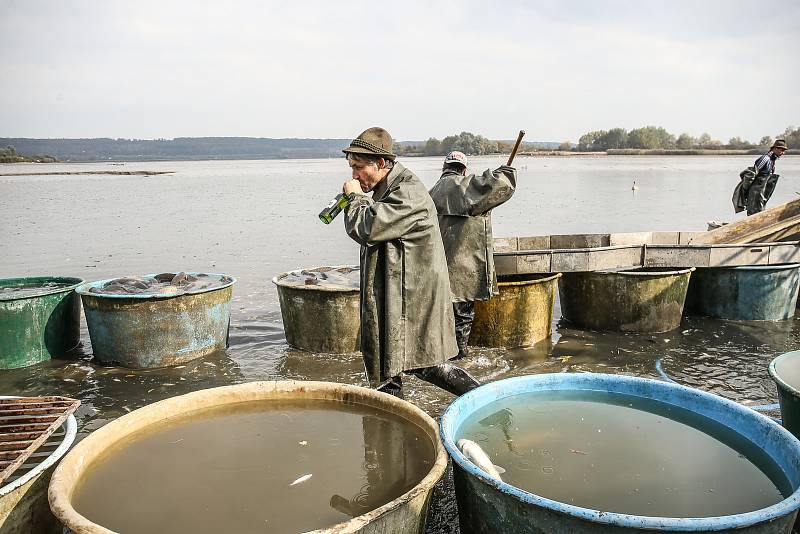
column 406, row 316
column 464, row 203
column 765, row 180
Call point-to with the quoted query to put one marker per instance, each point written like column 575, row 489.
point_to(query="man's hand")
column 352, row 186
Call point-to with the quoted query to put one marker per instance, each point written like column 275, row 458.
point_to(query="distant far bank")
column 14, row 150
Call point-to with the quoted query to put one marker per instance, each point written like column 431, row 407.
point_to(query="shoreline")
column 70, row 173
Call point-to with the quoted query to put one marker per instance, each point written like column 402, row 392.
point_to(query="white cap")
column 456, row 157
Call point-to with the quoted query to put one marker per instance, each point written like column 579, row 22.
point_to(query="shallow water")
column 624, row 454
column 274, row 466
column 256, row 219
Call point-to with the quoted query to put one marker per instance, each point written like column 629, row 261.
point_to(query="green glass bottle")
column 334, row 208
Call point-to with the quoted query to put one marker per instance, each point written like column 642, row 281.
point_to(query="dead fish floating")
column 301, row 479
column 164, row 284
column 477, row 456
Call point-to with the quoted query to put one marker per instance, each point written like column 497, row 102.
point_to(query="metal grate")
column 25, row 425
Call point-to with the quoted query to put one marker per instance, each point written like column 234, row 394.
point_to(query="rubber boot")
column 464, row 313
column 393, row 386
column 447, row 376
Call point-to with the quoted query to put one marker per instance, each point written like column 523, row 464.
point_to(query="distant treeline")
column 206, row 148
column 180, row 148
column 466, row 142
column 655, row 137
column 9, row 155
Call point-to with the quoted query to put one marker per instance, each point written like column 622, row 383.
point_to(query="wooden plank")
column 580, row 241
column 784, row 253
column 730, row 256
column 752, row 228
column 570, row 261
column 540, row 242
column 676, row 256
column 535, row 262
column 615, row 258
column 505, row 264
column 505, row 244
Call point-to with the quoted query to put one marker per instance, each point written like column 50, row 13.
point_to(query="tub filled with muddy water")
column 260, row 457
column 607, row 453
column 320, row 308
column 157, row 319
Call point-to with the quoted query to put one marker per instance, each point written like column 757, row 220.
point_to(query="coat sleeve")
column 369, row 222
column 490, row 189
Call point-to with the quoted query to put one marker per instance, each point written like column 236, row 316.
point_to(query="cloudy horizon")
column 420, row 69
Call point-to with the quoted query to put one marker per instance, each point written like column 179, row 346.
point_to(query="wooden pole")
column 516, row 147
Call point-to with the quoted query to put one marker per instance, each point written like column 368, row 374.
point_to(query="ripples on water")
column 241, row 219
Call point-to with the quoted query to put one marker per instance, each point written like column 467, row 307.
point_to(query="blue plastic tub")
column 746, row 293
column 487, row 505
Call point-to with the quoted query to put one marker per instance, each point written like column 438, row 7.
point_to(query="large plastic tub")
column 141, row 331
column 405, row 514
column 520, row 316
column 487, row 505
column 636, row 300
column 34, row 328
column 788, row 394
column 747, row 293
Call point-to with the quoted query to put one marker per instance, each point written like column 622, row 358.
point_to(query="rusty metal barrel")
column 157, row 330
column 634, row 300
column 319, row 317
column 520, row 316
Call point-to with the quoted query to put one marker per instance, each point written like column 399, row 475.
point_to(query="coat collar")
column 383, row 186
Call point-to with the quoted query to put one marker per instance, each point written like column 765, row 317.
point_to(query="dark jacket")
column 406, row 313
column 464, row 205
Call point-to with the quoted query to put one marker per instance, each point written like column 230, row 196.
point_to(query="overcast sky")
column 147, row 69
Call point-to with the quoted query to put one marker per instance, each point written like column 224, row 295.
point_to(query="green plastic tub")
column 38, row 325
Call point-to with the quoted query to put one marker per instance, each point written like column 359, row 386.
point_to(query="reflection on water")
column 246, row 223
column 263, row 466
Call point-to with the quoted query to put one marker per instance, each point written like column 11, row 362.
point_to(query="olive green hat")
column 779, row 143
column 373, row 142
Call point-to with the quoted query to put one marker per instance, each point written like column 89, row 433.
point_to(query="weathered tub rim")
column 511, row 386
column 773, row 372
column 63, row 482
column 83, row 289
column 74, row 282
column 544, row 278
column 276, row 280
column 771, row 267
column 647, row 272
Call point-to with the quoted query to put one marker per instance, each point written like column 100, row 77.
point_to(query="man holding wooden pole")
column 464, row 203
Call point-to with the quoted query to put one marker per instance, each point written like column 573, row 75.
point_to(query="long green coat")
column 464, row 204
column 406, row 313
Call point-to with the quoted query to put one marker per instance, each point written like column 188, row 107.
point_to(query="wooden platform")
column 598, row 252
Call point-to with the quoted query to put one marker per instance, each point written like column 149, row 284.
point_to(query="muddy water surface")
column 624, row 454
column 273, row 466
column 256, row 219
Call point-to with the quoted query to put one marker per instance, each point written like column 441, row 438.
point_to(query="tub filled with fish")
column 260, row 457
column 607, row 453
column 157, row 319
column 320, row 308
column 39, row 319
